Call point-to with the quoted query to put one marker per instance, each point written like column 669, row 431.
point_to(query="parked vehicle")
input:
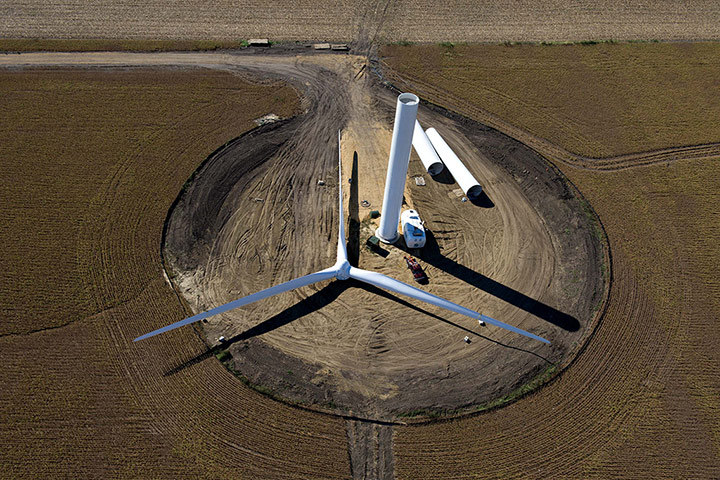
column 416, row 269
column 413, row 229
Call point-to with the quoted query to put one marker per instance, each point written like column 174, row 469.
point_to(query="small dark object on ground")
column 374, row 213
column 373, row 244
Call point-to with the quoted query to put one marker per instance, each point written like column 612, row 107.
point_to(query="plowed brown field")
column 642, row 400
column 414, row 20
column 593, row 101
column 99, row 45
column 92, row 161
column 64, row 157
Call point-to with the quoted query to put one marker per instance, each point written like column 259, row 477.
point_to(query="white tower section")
column 426, row 151
column 405, row 115
column 460, row 173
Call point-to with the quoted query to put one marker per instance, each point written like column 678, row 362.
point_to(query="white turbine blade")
column 341, row 248
column 326, row 274
column 387, row 283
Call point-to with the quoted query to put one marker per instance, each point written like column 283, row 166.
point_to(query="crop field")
column 407, row 20
column 642, row 400
column 61, row 168
column 601, row 100
column 92, row 161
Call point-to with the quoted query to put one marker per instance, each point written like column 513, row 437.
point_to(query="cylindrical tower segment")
column 457, row 169
column 405, row 115
column 425, row 150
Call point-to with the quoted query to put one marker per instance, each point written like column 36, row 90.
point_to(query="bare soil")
column 370, row 448
column 255, row 215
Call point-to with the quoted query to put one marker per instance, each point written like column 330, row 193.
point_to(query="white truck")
column 413, row 229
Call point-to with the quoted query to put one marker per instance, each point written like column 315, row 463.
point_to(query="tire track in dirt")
column 370, row 448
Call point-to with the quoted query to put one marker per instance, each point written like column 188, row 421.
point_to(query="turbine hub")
column 343, row 270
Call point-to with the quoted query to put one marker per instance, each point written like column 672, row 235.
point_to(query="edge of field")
column 11, row 45
column 150, row 45
column 22, row 45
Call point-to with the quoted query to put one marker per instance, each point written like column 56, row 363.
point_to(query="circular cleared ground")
column 256, row 215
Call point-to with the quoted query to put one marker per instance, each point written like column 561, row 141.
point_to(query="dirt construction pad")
column 256, row 215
